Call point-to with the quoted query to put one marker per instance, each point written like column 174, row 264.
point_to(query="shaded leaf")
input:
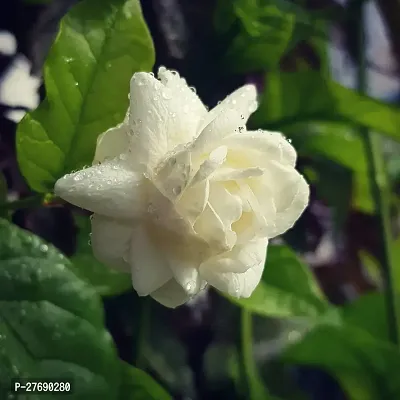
column 351, row 353
column 304, row 97
column 138, row 385
column 51, row 322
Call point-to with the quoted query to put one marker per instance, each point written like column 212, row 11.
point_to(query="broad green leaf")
column 304, row 97
column 370, row 314
column 105, row 280
column 287, row 289
column 137, row 385
column 100, row 45
column 51, row 322
column 354, row 354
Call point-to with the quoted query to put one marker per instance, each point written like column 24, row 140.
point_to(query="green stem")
column 381, row 195
column 28, row 202
column 251, row 383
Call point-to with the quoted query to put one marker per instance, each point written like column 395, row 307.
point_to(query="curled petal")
column 171, row 294
column 111, row 143
column 243, row 101
column 225, row 123
column 251, row 259
column 263, row 145
column 149, row 270
column 110, row 189
column 163, row 115
column 291, row 196
column 111, row 241
column 186, row 275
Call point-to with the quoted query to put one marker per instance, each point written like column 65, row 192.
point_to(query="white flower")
column 183, row 197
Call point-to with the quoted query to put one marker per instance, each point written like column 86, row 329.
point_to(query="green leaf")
column 368, row 313
column 105, row 280
column 259, row 32
column 264, row 36
column 99, row 47
column 287, row 289
column 137, row 385
column 51, row 322
column 351, row 353
column 304, row 97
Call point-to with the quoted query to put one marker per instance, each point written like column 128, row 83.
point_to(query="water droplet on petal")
column 151, row 74
column 166, row 94
column 193, row 89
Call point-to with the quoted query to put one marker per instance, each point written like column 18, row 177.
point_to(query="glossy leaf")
column 51, row 322
column 99, row 47
column 287, row 289
column 137, row 385
column 304, row 97
column 105, row 280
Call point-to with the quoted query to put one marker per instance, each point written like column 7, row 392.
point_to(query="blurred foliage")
column 51, row 317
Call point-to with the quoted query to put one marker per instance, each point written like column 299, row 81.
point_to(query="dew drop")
column 151, row 74
column 193, row 89
column 176, row 190
column 289, row 140
column 43, row 248
column 122, row 156
column 166, row 94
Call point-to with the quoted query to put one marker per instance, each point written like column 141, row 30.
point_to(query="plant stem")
column 251, row 383
column 28, row 202
column 380, row 192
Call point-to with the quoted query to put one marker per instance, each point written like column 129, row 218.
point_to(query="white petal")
column 172, row 176
column 186, row 275
column 150, row 269
column 111, row 241
column 232, row 174
column 163, row 115
column 8, row 43
column 171, row 295
column 243, row 101
column 225, row 123
column 112, row 143
column 264, row 145
column 110, row 189
column 194, row 200
column 15, row 115
column 215, row 160
column 251, row 259
column 291, row 196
